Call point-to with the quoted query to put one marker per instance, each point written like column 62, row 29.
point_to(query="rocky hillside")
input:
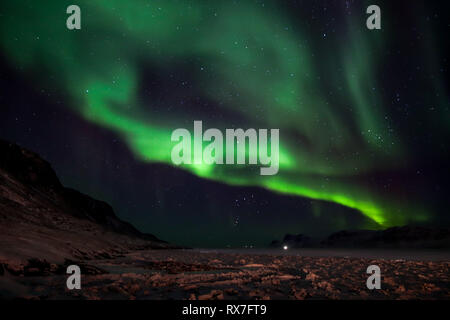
column 41, row 219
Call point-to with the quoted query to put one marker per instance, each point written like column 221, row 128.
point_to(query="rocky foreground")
column 192, row 274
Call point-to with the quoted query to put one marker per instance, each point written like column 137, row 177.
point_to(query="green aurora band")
column 253, row 61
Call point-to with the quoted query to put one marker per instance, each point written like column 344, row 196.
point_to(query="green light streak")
column 256, row 63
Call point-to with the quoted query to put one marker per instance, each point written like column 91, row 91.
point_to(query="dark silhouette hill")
column 412, row 237
column 42, row 219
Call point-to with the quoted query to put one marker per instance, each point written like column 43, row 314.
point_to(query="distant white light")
column 285, row 247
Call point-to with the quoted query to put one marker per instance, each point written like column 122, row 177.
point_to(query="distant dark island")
column 416, row 237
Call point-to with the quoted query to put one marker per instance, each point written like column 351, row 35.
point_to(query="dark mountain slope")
column 39, row 218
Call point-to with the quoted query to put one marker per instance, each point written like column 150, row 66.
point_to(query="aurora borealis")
column 358, row 110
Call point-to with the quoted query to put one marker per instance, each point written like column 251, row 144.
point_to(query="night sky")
column 363, row 114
